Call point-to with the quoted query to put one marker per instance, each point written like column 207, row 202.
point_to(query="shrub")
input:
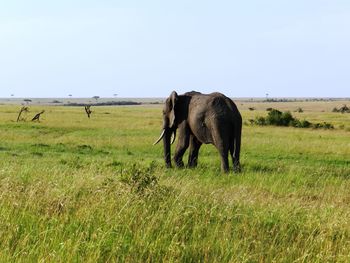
column 278, row 118
column 324, row 125
column 301, row 123
column 259, row 121
column 141, row 180
column 273, row 117
column 286, row 118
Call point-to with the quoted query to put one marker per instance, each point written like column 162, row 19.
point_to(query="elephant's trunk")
column 166, row 144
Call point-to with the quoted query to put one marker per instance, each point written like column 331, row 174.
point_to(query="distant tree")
column 23, row 109
column 96, row 97
column 27, row 100
column 88, row 111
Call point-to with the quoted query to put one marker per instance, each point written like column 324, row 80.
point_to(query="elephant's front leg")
column 182, row 144
column 194, row 149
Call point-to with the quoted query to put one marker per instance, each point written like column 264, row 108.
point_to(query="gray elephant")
column 201, row 118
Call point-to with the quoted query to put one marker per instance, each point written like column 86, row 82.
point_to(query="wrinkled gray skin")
column 201, row 118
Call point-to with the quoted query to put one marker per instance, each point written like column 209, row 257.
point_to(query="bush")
column 286, row 118
column 324, row 125
column 260, row 121
column 273, row 117
column 278, row 118
column 141, row 180
column 301, row 123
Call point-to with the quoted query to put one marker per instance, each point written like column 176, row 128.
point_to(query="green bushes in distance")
column 278, row 118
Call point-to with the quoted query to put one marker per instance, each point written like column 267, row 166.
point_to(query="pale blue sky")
column 148, row 48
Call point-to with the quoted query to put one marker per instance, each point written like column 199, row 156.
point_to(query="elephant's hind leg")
column 224, row 162
column 222, row 143
column 235, row 149
column 223, row 149
column 194, row 149
column 235, row 159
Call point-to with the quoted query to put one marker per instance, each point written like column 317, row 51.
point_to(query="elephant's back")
column 208, row 113
column 214, row 105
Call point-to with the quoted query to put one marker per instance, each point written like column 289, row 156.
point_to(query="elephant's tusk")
column 173, row 137
column 160, row 137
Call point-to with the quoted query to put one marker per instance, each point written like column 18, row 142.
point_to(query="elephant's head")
column 170, row 120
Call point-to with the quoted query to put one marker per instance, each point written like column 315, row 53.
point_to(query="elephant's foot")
column 192, row 162
column 237, row 167
column 224, row 166
column 179, row 163
column 191, row 165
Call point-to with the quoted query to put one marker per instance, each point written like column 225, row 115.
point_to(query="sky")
column 137, row 48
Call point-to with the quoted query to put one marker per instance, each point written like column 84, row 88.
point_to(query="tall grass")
column 80, row 190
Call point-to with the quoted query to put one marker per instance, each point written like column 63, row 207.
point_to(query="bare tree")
column 88, row 111
column 37, row 116
column 23, row 109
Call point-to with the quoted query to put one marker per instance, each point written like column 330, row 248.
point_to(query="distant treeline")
column 107, row 103
column 302, row 99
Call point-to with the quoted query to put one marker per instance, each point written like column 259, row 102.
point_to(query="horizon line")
column 243, row 97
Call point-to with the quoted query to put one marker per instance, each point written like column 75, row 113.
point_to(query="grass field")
column 74, row 189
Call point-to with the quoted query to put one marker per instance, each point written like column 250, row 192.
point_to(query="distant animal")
column 37, row 116
column 201, row 118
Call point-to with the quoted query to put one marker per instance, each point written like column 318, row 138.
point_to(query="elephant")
column 201, row 119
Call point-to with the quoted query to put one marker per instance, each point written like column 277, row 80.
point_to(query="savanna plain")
column 74, row 189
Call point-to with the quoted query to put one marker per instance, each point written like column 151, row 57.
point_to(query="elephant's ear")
column 173, row 100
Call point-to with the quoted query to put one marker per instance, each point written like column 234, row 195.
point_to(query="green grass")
column 80, row 190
